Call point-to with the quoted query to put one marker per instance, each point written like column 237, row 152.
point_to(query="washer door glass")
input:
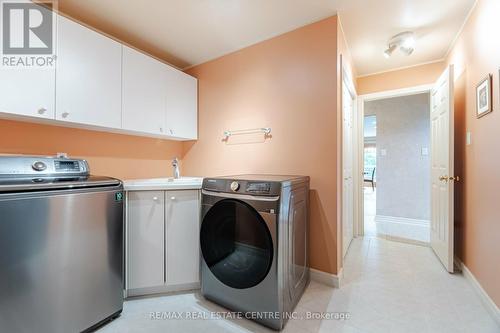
column 236, row 244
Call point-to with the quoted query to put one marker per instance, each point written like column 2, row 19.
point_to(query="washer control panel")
column 41, row 167
column 65, row 166
column 235, row 186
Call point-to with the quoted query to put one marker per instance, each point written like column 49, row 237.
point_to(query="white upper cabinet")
column 100, row 84
column 28, row 92
column 88, row 78
column 144, row 92
column 182, row 105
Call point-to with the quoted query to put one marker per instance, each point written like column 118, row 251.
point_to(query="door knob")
column 65, row 114
column 42, row 110
column 443, row 178
column 455, row 178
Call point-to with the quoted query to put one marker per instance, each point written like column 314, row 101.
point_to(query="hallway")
column 398, row 287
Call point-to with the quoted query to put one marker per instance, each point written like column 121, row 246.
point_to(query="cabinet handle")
column 65, row 114
column 161, row 129
column 155, row 198
column 172, row 198
column 42, row 110
column 171, row 132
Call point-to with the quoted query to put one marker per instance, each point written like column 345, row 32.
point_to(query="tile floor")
column 387, row 287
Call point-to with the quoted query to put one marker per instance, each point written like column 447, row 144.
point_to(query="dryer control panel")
column 258, row 188
column 241, row 186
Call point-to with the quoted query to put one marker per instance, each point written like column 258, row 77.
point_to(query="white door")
column 442, row 174
column 145, row 239
column 182, row 237
column 88, row 77
column 144, row 92
column 182, row 105
column 347, row 165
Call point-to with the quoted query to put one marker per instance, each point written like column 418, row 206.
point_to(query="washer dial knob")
column 39, row 166
column 235, row 186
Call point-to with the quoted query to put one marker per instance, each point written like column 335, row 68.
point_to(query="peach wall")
column 475, row 54
column 287, row 83
column 402, row 78
column 116, row 155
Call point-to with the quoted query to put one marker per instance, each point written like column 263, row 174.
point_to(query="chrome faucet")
column 175, row 164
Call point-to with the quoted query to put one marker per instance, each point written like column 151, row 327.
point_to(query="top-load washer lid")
column 34, row 173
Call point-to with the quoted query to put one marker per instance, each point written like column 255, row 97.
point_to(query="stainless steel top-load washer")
column 254, row 244
column 61, row 246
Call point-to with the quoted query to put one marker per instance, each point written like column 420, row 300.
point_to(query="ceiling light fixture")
column 405, row 41
column 390, row 49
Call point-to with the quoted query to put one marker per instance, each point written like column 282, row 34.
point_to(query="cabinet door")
column 182, row 105
column 182, row 237
column 88, row 78
column 143, row 92
column 146, row 230
column 28, row 92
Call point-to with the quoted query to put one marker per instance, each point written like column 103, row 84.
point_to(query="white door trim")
column 360, row 114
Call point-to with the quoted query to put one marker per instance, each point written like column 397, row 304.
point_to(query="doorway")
column 397, row 168
column 369, row 174
column 439, row 152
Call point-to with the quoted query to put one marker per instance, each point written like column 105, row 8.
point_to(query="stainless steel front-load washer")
column 254, row 244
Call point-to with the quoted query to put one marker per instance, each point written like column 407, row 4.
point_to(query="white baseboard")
column 485, row 298
column 328, row 279
column 402, row 228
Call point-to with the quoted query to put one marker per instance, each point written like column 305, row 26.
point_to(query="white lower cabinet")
column 182, row 237
column 162, row 247
column 146, row 245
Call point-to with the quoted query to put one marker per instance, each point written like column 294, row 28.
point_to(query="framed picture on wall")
column 483, row 97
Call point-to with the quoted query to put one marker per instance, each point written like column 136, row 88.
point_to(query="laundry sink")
column 169, row 183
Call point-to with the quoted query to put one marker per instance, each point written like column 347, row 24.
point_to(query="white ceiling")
column 188, row 32
column 368, row 24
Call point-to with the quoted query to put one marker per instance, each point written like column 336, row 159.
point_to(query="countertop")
column 163, row 184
